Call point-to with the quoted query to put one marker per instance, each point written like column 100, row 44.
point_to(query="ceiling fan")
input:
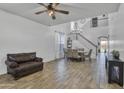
column 51, row 9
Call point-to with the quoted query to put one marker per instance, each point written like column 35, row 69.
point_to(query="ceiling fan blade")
column 62, row 11
column 57, row 4
column 43, row 5
column 53, row 17
column 41, row 12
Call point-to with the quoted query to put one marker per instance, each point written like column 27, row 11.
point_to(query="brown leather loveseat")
column 22, row 64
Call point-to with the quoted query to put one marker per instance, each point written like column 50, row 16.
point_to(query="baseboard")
column 55, row 59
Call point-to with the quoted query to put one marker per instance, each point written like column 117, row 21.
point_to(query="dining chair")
column 80, row 49
column 88, row 55
column 76, row 55
column 69, row 53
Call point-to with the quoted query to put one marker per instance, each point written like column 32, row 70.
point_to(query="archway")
column 103, row 44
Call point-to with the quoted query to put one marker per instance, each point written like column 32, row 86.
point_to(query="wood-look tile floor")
column 63, row 74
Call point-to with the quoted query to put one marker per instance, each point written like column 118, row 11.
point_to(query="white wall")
column 18, row 34
column 117, row 31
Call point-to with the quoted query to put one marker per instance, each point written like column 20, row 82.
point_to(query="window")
column 94, row 22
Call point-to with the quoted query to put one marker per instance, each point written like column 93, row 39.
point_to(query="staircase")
column 86, row 36
column 84, row 42
column 90, row 42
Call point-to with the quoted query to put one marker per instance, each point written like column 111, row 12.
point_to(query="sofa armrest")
column 37, row 59
column 11, row 64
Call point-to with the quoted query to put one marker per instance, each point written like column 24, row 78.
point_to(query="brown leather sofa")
column 22, row 64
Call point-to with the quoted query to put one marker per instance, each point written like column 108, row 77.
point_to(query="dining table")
column 81, row 53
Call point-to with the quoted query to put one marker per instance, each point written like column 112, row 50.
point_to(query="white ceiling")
column 77, row 11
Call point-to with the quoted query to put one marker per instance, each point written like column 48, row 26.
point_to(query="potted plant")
column 115, row 54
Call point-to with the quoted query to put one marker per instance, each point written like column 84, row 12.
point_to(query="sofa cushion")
column 22, row 57
column 28, row 66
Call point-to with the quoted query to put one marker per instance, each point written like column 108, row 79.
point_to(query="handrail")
column 88, row 41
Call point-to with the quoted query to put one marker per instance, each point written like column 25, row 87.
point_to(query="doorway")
column 103, row 44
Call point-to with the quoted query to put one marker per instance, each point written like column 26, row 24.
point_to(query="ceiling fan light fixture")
column 50, row 12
